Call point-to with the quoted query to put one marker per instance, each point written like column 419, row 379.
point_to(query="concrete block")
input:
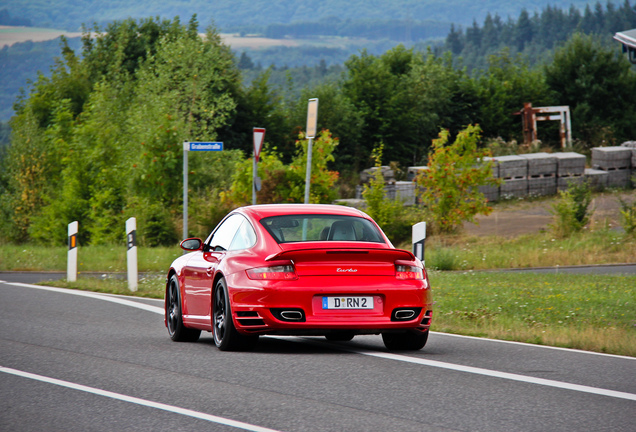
column 607, row 158
column 564, row 181
column 359, row 192
column 387, row 173
column 514, row 188
column 541, row 165
column 512, row 167
column 490, row 192
column 542, row 186
column 352, row 202
column 495, row 166
column 596, row 178
column 619, row 178
column 570, row 164
column 401, row 190
column 413, row 171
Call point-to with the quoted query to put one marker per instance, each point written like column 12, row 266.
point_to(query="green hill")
column 233, row 14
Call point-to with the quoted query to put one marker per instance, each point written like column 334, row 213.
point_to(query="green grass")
column 603, row 246
column 589, row 312
column 151, row 285
column 89, row 258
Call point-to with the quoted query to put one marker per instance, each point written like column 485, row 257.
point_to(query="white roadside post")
column 259, row 137
column 71, row 266
column 131, row 242
column 188, row 147
column 312, row 122
column 419, row 238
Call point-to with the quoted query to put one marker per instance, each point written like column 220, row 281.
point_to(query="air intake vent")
column 427, row 317
column 249, row 319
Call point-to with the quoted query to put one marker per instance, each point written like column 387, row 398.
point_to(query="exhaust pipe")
column 288, row 314
column 404, row 314
column 291, row 315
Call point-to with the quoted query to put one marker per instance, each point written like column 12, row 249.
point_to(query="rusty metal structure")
column 530, row 116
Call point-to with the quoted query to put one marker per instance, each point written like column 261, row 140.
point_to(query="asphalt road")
column 76, row 361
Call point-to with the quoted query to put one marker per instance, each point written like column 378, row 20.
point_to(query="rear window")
column 309, row 228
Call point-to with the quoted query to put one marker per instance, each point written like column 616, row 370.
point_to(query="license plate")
column 347, row 302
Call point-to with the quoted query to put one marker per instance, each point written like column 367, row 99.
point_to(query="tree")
column 388, row 213
column 119, row 113
column 257, row 106
column 450, row 185
column 282, row 183
column 404, row 98
column 599, row 85
column 503, row 89
column 524, row 30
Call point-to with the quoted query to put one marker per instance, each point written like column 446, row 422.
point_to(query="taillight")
column 405, row 272
column 283, row 272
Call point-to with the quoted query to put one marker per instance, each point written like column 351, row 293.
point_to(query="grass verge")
column 462, row 252
column 90, row 258
column 588, row 312
column 151, row 285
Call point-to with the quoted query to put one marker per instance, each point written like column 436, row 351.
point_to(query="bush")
column 443, row 259
column 628, row 216
column 390, row 214
column 572, row 210
column 286, row 183
column 450, row 185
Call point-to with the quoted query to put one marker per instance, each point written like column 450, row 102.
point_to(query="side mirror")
column 192, row 244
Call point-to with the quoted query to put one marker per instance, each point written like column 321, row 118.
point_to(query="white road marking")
column 99, row 296
column 572, row 350
column 467, row 369
column 497, row 374
column 138, row 401
column 377, row 354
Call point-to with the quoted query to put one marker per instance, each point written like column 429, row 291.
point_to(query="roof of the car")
column 267, row 210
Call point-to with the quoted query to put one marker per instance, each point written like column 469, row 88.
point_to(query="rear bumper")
column 257, row 310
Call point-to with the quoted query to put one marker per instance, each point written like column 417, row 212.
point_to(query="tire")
column 177, row 331
column 409, row 340
column 226, row 337
column 341, row 336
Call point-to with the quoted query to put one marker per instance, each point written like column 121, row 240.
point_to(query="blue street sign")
column 204, row 146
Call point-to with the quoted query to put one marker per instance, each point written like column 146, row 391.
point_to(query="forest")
column 252, row 16
column 99, row 138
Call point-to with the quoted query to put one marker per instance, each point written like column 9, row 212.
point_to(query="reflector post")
column 71, row 265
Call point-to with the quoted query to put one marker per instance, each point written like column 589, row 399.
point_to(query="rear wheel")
column 409, row 340
column 177, row 331
column 226, row 337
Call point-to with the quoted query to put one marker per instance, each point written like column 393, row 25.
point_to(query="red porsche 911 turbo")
column 294, row 269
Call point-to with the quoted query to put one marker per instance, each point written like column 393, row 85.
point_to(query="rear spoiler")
column 395, row 254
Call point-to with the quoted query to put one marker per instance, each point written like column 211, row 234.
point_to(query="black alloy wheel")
column 226, row 337
column 177, row 331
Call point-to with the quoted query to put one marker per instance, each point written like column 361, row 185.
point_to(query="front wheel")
column 177, row 331
column 226, row 337
column 409, row 340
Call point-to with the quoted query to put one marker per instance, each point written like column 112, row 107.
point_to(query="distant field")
column 11, row 35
